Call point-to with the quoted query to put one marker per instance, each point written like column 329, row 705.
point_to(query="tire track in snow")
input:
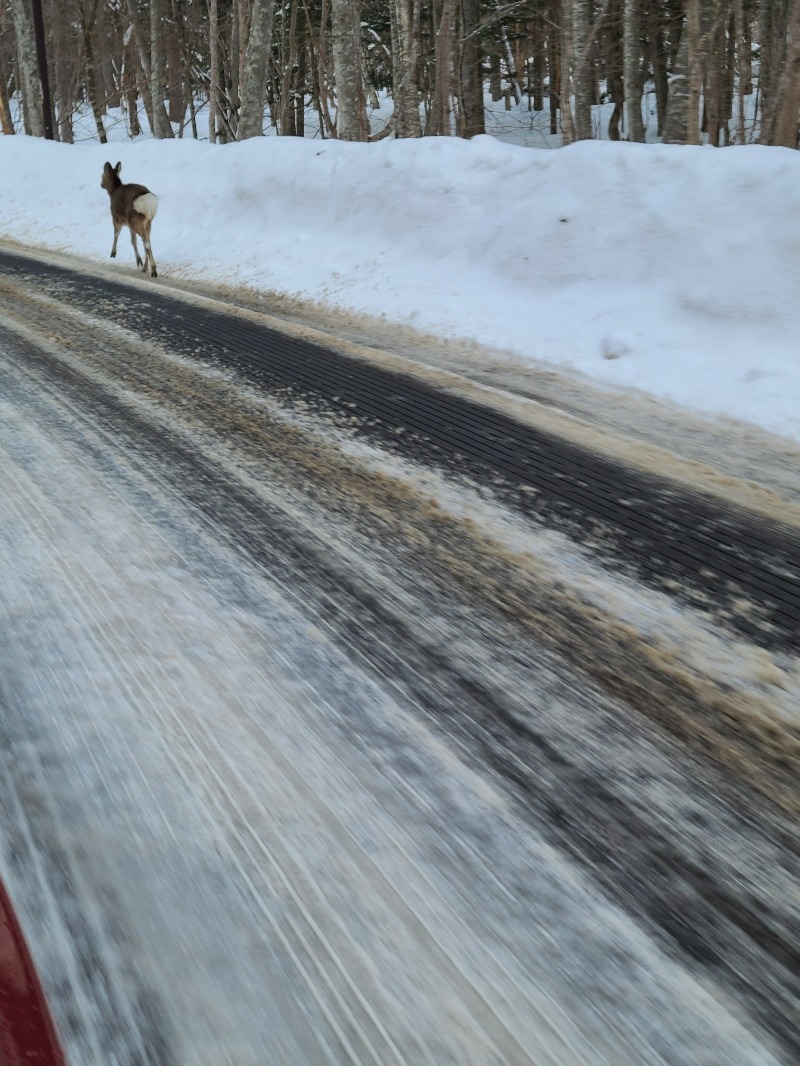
column 314, row 943
column 690, row 545
column 208, row 484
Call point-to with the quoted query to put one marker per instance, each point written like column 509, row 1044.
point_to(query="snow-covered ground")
column 667, row 269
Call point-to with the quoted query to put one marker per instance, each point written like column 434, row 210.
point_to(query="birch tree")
column 440, row 118
column 404, row 26
column 631, row 62
column 351, row 105
column 30, row 86
column 677, row 116
column 259, row 42
column 140, row 38
column 581, row 57
column 694, row 70
column 576, row 114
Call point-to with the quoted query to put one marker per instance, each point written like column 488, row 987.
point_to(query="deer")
column 133, row 206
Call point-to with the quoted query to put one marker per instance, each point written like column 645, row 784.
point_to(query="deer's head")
column 111, row 179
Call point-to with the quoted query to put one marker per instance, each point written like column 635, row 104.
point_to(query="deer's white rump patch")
column 146, row 205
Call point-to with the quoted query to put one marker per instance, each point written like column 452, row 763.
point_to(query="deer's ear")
column 118, row 168
column 107, row 168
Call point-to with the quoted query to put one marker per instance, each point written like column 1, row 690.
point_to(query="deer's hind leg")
column 142, row 227
column 148, row 249
column 139, row 264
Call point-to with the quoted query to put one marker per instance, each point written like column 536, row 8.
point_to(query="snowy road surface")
column 286, row 780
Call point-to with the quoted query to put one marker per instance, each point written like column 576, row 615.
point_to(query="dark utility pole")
column 41, row 55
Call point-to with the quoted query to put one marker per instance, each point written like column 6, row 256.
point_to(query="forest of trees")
column 719, row 71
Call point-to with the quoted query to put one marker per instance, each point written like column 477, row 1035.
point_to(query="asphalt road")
column 334, row 729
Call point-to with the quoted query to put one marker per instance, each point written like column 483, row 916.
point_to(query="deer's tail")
column 147, row 205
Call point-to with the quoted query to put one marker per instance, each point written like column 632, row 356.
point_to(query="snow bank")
column 669, row 269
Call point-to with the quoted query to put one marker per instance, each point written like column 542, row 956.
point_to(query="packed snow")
column 672, row 270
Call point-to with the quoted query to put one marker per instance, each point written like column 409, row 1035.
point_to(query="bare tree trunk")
column 567, row 123
column 289, row 80
column 327, row 125
column 677, row 117
column 744, row 86
column 88, row 19
column 243, row 33
column 536, row 87
column 714, row 82
column 782, row 129
column 23, row 100
column 131, row 93
column 495, row 76
column 631, row 61
column 43, row 67
column 511, row 66
column 161, row 123
column 770, row 24
column 237, row 48
column 582, row 79
column 30, row 86
column 6, row 124
column 439, row 125
column 254, row 87
column 213, row 89
column 351, row 108
column 613, row 56
column 729, row 82
column 615, row 90
column 316, row 94
column 64, row 64
column 470, row 73
column 554, row 60
column 405, row 56
column 193, row 117
column 299, row 98
column 744, row 46
column 143, row 74
column 176, row 83
column 659, row 62
column 695, row 71
column 705, row 30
